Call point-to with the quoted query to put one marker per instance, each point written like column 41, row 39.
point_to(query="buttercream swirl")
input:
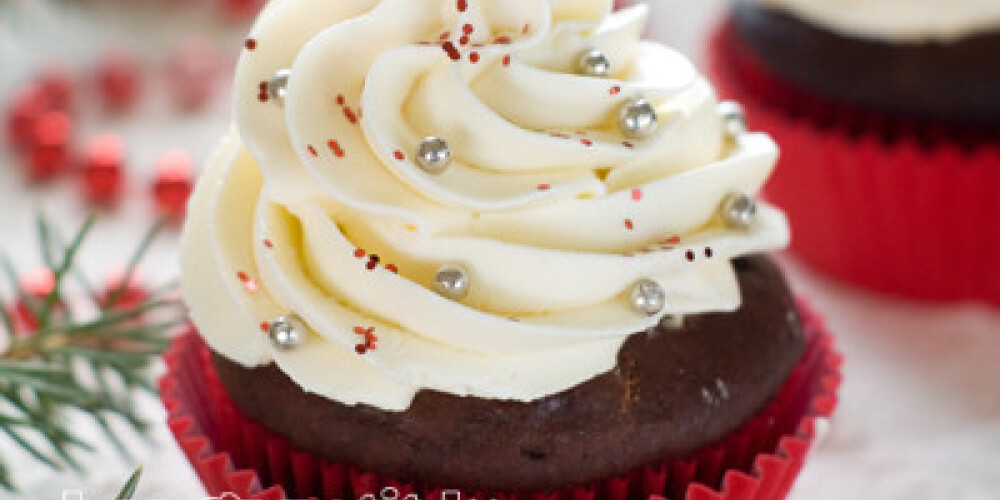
column 907, row 21
column 552, row 213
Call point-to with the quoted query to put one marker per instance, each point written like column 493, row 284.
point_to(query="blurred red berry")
column 120, row 295
column 192, row 73
column 49, row 152
column 29, row 102
column 173, row 183
column 101, row 172
column 36, row 285
column 241, row 9
column 119, row 81
column 59, row 86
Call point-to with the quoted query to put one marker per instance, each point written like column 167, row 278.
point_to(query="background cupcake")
column 889, row 134
column 499, row 247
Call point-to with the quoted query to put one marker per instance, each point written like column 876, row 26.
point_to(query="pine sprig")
column 93, row 366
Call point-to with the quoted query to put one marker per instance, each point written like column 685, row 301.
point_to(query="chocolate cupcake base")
column 954, row 82
column 674, row 391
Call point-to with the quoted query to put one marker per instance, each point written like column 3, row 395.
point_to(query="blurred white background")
column 920, row 411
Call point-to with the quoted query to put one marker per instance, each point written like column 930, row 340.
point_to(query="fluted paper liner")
column 902, row 206
column 237, row 458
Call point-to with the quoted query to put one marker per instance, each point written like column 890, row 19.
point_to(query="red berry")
column 59, row 87
column 101, row 169
column 36, row 285
column 28, row 104
column 119, row 81
column 49, row 154
column 117, row 295
column 173, row 183
column 241, row 9
column 192, row 73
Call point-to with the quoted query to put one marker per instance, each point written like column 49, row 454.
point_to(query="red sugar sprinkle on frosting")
column 474, row 57
column 392, row 268
column 464, row 40
column 444, row 36
column 242, row 276
column 544, row 187
column 359, row 253
column 340, row 99
column 636, row 194
column 370, row 339
column 268, row 244
column 250, row 43
column 468, row 29
column 506, row 60
column 462, row 5
column 451, row 50
column 587, row 142
column 673, row 240
column 399, row 155
column 265, row 327
column 312, row 150
column 502, row 40
column 615, row 90
column 335, row 147
column 629, row 224
column 349, row 114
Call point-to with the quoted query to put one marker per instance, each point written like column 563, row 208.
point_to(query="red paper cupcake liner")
column 897, row 205
column 237, row 458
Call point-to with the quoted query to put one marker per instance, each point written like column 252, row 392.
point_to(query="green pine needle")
column 90, row 366
column 128, row 491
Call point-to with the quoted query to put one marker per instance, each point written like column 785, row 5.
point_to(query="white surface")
column 920, row 411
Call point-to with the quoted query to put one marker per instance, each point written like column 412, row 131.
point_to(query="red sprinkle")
column 474, row 57
column 361, row 349
column 506, row 60
column 312, row 150
column 502, row 40
column 468, row 29
column 351, row 117
column 464, row 40
column 544, row 187
column 392, row 268
column 265, row 327
column 673, row 240
column 335, row 147
column 615, row 90
column 444, row 36
column 636, row 194
column 340, row 99
column 242, row 276
column 359, row 253
column 462, row 5
column 399, row 155
column 629, row 224
column 268, row 244
column 250, row 43
column 587, row 142
column 451, row 50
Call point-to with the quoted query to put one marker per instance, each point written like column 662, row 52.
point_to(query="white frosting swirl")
column 911, row 21
column 553, row 216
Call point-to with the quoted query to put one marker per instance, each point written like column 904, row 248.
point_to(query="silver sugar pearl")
column 287, row 332
column 278, row 84
column 733, row 119
column 739, row 211
column 672, row 322
column 595, row 63
column 638, row 119
column 648, row 297
column 452, row 282
column 433, row 155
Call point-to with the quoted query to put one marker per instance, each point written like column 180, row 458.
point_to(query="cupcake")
column 889, row 123
column 488, row 249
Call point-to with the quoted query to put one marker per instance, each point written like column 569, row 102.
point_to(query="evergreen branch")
column 68, row 365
